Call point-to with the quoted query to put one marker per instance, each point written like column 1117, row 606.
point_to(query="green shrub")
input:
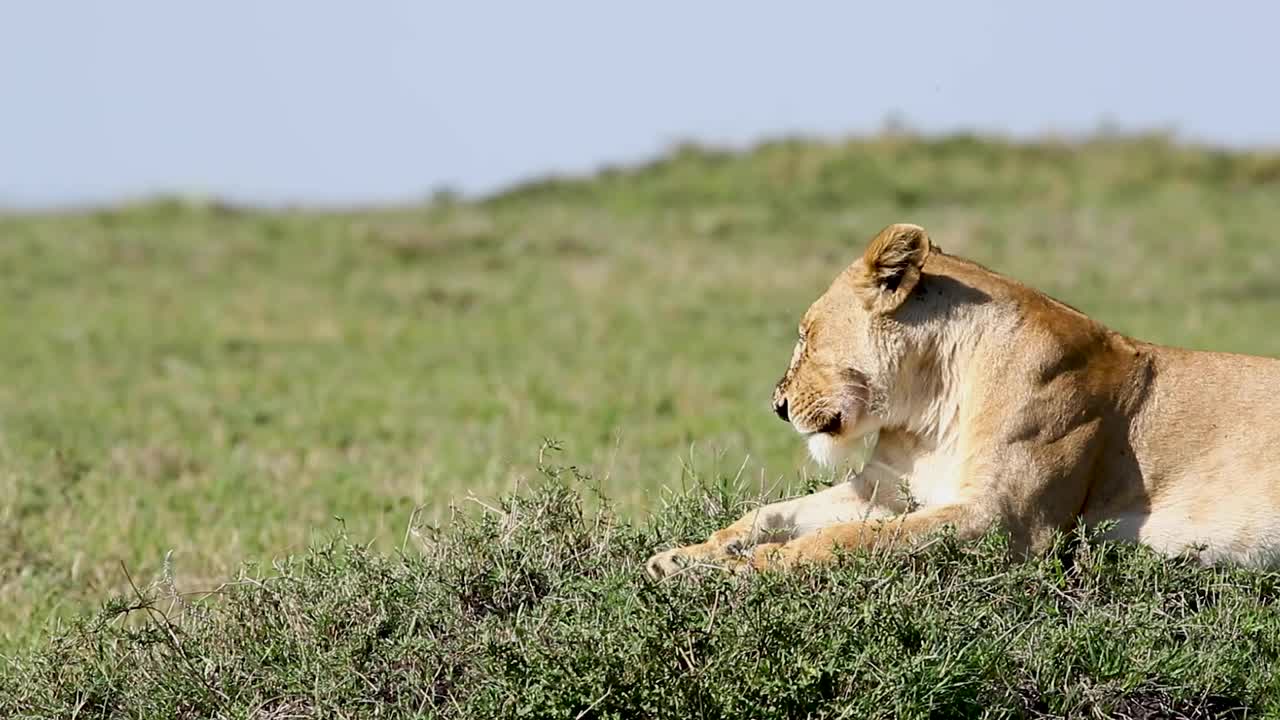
column 539, row 608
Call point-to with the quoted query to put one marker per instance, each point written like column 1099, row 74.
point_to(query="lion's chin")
column 838, row 450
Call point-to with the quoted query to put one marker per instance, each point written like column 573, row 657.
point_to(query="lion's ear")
column 892, row 263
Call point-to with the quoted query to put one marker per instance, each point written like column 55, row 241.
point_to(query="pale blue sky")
column 275, row 101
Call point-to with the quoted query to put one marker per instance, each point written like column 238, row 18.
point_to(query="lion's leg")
column 821, row 546
column 777, row 522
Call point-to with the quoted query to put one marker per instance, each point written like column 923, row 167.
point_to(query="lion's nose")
column 780, row 407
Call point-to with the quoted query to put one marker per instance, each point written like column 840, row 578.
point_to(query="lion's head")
column 845, row 367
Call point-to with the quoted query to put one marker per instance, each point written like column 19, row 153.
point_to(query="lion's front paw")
column 682, row 560
column 666, row 563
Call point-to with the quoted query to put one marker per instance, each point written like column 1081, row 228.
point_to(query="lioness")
column 998, row 405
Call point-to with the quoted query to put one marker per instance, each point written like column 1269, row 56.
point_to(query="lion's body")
column 1206, row 475
column 996, row 404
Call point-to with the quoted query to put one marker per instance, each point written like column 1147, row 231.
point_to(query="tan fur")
column 997, row 405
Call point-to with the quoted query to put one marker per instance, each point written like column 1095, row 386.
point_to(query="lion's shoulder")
column 1028, row 336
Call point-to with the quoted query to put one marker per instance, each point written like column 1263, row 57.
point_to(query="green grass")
column 536, row 610
column 221, row 383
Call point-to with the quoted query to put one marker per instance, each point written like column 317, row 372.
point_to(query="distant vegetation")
column 215, row 384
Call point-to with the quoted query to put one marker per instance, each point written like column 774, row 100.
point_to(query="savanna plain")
column 407, row 462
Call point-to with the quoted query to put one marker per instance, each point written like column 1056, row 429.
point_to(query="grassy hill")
column 536, row 609
column 214, row 384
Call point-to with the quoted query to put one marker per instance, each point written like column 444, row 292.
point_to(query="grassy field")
column 212, row 384
column 535, row 610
